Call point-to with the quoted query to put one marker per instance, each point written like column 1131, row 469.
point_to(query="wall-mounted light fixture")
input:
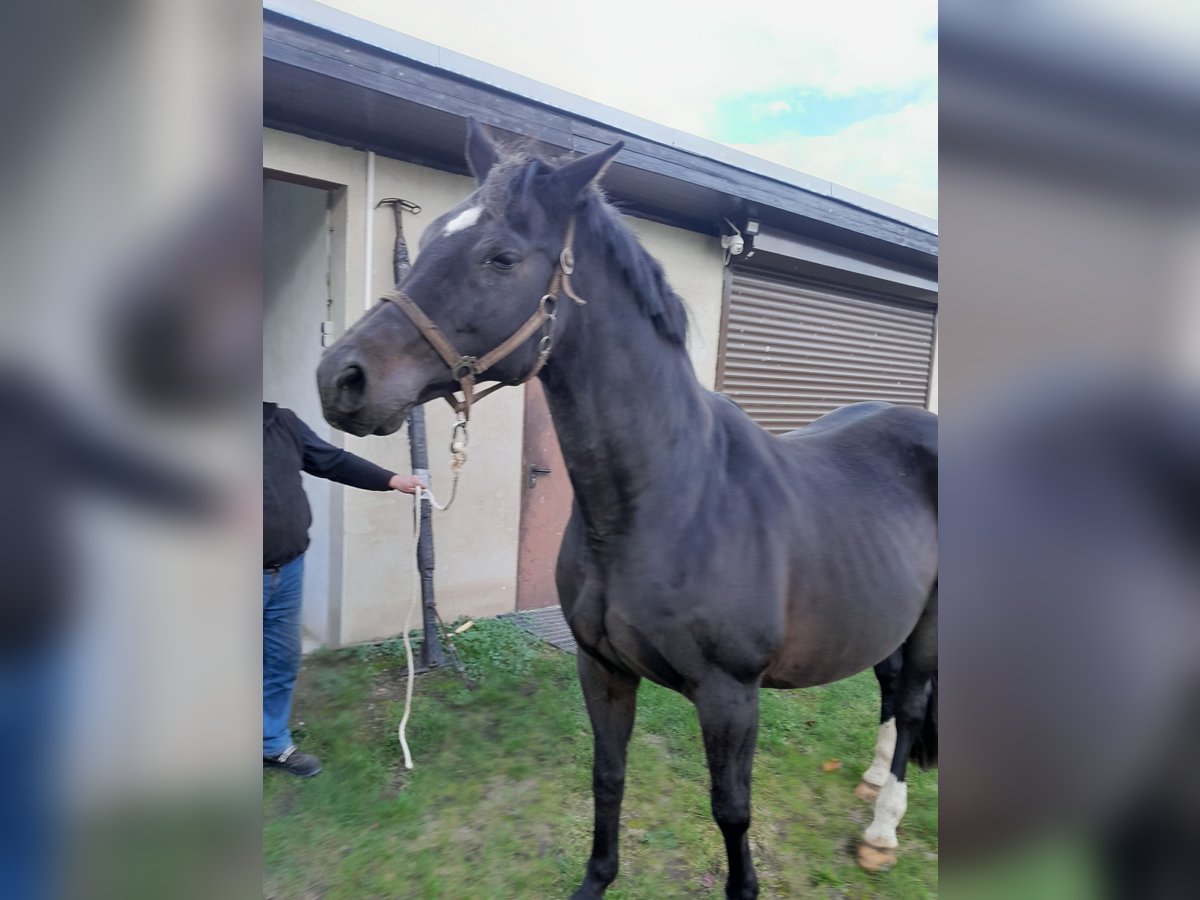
column 734, row 243
column 739, row 242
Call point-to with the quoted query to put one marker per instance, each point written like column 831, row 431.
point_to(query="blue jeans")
column 282, row 591
column 32, row 697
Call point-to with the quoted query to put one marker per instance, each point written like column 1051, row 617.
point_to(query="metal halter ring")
column 566, row 261
column 548, row 306
column 546, row 344
column 465, row 368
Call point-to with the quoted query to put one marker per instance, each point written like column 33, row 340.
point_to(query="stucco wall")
column 476, row 540
column 694, row 267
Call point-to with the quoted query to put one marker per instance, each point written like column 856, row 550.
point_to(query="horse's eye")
column 503, row 261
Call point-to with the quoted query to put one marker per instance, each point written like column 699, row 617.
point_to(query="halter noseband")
column 466, row 370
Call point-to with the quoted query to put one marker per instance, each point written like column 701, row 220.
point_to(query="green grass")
column 499, row 804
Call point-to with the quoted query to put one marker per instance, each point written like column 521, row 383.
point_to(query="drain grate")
column 545, row 624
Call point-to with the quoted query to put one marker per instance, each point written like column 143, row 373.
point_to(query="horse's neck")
column 629, row 411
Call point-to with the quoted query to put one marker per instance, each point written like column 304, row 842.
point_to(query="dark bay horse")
column 702, row 552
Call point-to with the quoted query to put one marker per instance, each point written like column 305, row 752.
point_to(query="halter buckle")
column 465, row 368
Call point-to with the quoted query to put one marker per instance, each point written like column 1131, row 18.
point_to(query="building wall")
column 476, row 540
column 696, row 270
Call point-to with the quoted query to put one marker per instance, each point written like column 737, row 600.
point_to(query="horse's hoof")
column 874, row 858
column 866, row 791
column 589, row 891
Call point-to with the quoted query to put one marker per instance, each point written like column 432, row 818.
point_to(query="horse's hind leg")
column 611, row 699
column 888, row 673
column 916, row 717
column 728, row 712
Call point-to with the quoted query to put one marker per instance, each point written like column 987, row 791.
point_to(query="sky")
column 843, row 90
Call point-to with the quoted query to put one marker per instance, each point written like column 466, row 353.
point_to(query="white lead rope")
column 419, row 495
column 458, row 459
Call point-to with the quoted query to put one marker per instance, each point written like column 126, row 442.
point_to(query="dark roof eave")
column 326, row 84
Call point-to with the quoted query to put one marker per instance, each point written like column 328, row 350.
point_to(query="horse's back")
column 863, row 432
column 880, row 430
column 917, row 426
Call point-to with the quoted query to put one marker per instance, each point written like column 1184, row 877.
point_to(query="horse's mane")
column 512, row 184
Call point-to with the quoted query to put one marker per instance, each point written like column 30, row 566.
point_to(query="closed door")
column 545, row 504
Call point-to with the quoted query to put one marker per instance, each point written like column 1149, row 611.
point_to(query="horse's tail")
column 924, row 750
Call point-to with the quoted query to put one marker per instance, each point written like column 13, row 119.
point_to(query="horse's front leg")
column 611, row 699
column 729, row 722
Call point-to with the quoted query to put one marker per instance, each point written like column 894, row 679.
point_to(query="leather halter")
column 466, row 370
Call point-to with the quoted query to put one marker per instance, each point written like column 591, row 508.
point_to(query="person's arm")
column 94, row 458
column 327, row 461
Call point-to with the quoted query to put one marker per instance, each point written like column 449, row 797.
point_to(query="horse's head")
column 483, row 270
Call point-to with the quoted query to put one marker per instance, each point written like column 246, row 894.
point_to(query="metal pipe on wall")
column 369, row 232
column 432, row 653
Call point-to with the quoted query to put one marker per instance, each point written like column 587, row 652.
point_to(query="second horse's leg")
column 888, row 673
column 916, row 726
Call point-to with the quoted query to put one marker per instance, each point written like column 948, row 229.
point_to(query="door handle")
column 534, row 472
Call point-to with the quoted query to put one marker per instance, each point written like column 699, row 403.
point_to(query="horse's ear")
column 579, row 173
column 481, row 152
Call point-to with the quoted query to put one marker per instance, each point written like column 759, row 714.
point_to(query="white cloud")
column 669, row 61
column 673, row 62
column 769, row 109
column 892, row 157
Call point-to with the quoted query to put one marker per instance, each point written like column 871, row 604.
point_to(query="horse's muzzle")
column 342, row 385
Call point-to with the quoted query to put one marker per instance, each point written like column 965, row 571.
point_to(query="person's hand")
column 406, row 483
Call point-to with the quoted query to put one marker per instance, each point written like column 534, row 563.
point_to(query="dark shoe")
column 292, row 761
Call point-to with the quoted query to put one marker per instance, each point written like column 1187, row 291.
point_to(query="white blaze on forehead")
column 464, row 219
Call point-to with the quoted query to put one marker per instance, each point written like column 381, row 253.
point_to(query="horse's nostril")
column 350, row 384
column 350, row 379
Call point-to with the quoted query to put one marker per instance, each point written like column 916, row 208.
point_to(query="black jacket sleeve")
column 327, row 461
column 91, row 457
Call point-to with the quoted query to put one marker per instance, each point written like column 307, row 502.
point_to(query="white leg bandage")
column 885, row 746
column 889, row 810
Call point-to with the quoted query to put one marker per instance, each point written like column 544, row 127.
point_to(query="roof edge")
column 363, row 31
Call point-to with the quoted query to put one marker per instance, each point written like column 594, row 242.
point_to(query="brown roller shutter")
column 794, row 350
